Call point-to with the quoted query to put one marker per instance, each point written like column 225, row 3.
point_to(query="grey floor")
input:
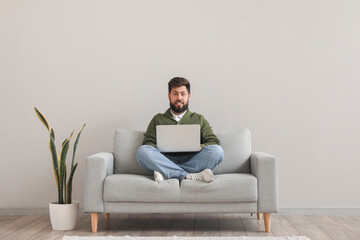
column 316, row 227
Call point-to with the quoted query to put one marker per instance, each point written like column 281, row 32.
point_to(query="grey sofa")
column 245, row 182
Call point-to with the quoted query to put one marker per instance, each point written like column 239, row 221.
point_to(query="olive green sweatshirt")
column 207, row 135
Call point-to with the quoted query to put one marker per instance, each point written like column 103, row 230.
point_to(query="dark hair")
column 178, row 82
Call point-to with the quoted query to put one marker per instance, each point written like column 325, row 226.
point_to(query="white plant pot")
column 63, row 216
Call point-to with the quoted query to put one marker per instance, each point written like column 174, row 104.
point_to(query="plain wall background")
column 287, row 70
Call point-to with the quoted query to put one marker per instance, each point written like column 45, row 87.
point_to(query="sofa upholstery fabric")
column 140, row 188
column 156, row 207
column 263, row 166
column 245, row 181
column 233, row 187
column 126, row 143
column 237, row 151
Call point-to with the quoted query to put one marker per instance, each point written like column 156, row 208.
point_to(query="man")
column 192, row 166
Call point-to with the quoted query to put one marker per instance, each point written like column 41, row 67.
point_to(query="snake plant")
column 59, row 162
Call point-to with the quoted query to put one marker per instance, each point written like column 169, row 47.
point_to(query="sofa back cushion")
column 237, row 151
column 126, row 143
column 236, row 145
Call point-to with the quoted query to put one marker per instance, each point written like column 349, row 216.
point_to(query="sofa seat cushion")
column 139, row 188
column 233, row 187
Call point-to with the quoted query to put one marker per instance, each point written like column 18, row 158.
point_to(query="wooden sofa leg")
column 267, row 219
column 94, row 221
column 259, row 216
column 107, row 216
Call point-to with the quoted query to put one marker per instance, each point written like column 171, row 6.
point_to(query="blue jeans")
column 179, row 165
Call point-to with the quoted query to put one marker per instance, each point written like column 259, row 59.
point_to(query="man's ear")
column 169, row 96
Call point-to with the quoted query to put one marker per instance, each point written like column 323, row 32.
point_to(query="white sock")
column 205, row 176
column 158, row 177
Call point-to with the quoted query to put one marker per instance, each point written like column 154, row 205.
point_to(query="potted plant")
column 64, row 212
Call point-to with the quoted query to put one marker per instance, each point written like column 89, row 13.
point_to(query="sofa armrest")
column 97, row 167
column 263, row 166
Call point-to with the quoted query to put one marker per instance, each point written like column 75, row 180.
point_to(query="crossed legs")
column 179, row 166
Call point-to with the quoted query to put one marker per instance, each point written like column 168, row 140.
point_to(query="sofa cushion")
column 139, row 188
column 237, row 151
column 234, row 187
column 126, row 143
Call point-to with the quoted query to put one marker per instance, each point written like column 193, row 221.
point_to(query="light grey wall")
column 288, row 70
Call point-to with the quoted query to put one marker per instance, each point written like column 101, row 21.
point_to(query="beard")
column 179, row 109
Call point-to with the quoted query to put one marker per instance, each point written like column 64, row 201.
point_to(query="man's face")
column 179, row 99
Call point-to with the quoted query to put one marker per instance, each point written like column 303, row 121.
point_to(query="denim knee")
column 217, row 153
column 142, row 152
column 216, row 150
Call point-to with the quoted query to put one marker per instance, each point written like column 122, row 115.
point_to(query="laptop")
column 178, row 138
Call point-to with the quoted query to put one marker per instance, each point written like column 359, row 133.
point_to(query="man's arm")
column 150, row 135
column 208, row 137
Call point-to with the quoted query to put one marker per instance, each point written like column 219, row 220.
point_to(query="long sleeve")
column 208, row 137
column 150, row 135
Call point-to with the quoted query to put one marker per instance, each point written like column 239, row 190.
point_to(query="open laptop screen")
column 178, row 138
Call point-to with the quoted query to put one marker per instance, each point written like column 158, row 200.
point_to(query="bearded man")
column 188, row 165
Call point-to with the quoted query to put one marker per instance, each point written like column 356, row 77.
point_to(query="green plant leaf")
column 65, row 177
column 58, row 187
column 42, row 119
column 72, row 133
column 52, row 133
column 59, row 162
column 69, row 185
column 54, row 155
column 62, row 145
column 62, row 174
column 76, row 144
